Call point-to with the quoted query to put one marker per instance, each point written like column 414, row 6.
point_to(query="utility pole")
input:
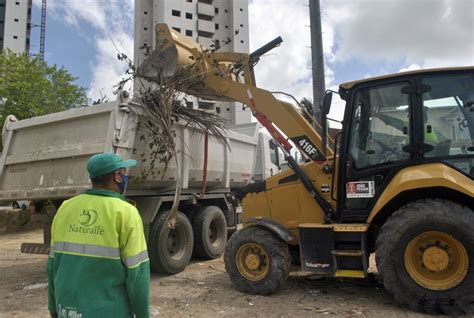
column 317, row 58
column 43, row 30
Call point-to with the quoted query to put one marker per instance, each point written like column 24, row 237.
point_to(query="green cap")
column 104, row 163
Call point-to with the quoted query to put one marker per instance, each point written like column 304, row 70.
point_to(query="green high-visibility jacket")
column 98, row 265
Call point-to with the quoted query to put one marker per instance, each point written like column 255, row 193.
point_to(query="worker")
column 429, row 134
column 98, row 264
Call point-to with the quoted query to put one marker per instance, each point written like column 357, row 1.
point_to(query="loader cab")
column 400, row 121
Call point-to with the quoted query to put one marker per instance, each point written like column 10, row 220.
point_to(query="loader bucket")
column 173, row 52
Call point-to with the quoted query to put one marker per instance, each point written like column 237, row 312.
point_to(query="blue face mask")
column 123, row 184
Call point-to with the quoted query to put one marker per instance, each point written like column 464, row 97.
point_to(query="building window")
column 217, row 26
column 15, row 37
column 226, row 26
column 189, row 33
column 175, row 13
column 177, row 29
column 189, row 0
column 241, row 41
column 146, row 29
column 241, row 10
column 146, row 12
column 241, row 25
column 216, row 10
column 16, row 20
column 17, row 3
column 189, row 16
column 226, row 11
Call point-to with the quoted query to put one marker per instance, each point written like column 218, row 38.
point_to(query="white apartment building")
column 15, row 25
column 206, row 22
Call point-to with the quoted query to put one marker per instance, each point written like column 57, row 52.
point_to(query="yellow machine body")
column 334, row 210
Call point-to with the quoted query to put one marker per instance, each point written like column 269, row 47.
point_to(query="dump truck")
column 398, row 182
column 44, row 161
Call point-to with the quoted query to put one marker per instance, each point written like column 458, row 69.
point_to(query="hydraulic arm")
column 228, row 76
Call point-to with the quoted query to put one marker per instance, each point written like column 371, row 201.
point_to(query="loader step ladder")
column 334, row 249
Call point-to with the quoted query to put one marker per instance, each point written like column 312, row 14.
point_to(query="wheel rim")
column 436, row 260
column 252, row 261
column 176, row 243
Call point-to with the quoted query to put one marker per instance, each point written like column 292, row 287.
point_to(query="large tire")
column 425, row 255
column 257, row 261
column 170, row 250
column 210, row 232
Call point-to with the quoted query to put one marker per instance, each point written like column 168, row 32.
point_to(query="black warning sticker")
column 308, row 148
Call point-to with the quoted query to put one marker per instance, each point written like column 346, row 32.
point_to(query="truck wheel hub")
column 252, row 261
column 435, row 259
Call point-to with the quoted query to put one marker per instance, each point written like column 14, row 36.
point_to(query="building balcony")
column 206, row 11
column 206, row 28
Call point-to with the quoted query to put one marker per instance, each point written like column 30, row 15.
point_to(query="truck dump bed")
column 45, row 157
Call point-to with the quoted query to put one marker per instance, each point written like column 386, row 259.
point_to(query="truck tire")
column 425, row 255
column 170, row 250
column 257, row 261
column 210, row 232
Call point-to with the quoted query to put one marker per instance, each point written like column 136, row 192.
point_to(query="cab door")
column 377, row 142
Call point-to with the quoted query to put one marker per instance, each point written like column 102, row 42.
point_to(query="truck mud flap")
column 35, row 248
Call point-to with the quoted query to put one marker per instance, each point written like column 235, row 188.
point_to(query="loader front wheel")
column 257, row 261
column 425, row 255
column 170, row 249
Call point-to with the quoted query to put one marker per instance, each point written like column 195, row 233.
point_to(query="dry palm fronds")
column 160, row 108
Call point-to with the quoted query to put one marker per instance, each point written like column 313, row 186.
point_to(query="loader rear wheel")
column 170, row 249
column 425, row 255
column 257, row 261
column 210, row 232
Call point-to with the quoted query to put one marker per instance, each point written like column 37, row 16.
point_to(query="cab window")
column 448, row 115
column 274, row 153
column 380, row 126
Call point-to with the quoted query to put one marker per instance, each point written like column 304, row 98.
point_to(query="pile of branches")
column 159, row 107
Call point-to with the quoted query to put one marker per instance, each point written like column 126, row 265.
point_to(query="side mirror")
column 326, row 107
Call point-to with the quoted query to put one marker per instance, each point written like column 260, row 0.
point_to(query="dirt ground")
column 202, row 290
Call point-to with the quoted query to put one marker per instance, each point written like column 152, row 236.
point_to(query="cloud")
column 288, row 67
column 111, row 22
column 371, row 37
column 364, row 38
column 430, row 33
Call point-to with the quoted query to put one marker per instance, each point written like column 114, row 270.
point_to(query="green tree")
column 29, row 87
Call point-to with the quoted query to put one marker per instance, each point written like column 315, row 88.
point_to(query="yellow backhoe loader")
column 399, row 182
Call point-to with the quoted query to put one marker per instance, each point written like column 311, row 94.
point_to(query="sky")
column 361, row 38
